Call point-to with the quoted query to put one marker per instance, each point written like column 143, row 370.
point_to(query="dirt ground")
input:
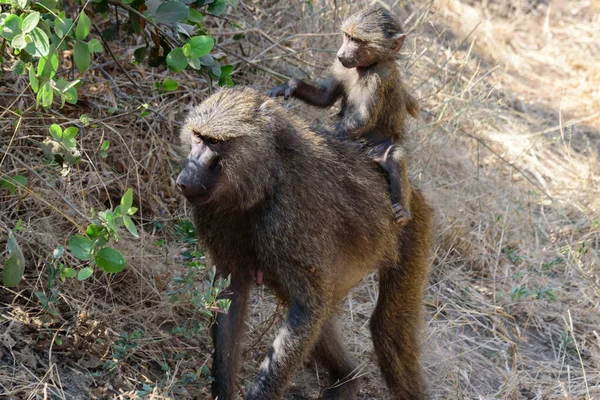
column 506, row 151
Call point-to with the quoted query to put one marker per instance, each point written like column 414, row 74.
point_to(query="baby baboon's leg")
column 393, row 160
column 331, row 354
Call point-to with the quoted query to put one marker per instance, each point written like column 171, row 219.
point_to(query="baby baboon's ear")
column 398, row 43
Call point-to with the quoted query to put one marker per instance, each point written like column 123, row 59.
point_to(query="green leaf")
column 84, row 273
column 195, row 17
column 81, row 247
column 11, row 183
column 201, row 45
column 45, row 95
column 18, row 68
column 130, row 225
column 63, row 25
column 33, row 80
column 83, row 26
column 207, row 61
column 12, row 26
column 93, row 230
column 194, row 62
column 67, row 90
column 56, row 132
column 94, row 46
column 110, row 260
column 139, row 55
column 22, row 4
column 31, row 21
column 127, row 200
column 132, row 210
column 19, row 42
column 187, row 49
column 40, row 44
column 14, row 267
column 176, row 60
column 68, row 273
column 169, row 85
column 224, row 78
column 81, row 53
column 105, row 145
column 226, row 70
column 70, row 133
column 218, row 7
column 216, row 70
column 48, row 65
column 172, row 11
column 43, row 298
column 226, row 82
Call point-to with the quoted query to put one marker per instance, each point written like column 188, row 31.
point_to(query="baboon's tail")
column 397, row 320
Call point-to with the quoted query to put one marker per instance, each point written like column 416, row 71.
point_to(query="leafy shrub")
column 38, row 33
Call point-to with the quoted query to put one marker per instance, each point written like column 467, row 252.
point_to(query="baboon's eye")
column 196, row 134
column 212, row 140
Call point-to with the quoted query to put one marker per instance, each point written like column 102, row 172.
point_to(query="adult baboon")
column 375, row 103
column 312, row 212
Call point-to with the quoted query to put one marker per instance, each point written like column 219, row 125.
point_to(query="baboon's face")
column 355, row 53
column 202, row 168
column 360, row 53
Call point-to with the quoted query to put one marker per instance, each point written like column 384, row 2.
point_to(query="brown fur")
column 374, row 101
column 311, row 212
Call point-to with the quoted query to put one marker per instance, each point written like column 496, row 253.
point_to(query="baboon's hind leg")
column 397, row 320
column 395, row 332
column 332, row 355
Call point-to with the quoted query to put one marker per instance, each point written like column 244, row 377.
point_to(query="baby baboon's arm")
column 323, row 94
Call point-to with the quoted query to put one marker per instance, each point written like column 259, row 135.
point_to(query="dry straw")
column 506, row 150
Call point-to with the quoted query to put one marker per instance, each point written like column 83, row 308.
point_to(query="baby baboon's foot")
column 401, row 214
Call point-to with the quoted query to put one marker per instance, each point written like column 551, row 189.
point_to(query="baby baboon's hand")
column 285, row 89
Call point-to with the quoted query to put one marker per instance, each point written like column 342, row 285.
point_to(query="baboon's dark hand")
column 280, row 90
column 285, row 89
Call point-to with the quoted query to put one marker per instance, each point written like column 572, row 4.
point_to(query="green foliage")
column 14, row 267
column 124, row 348
column 92, row 247
column 13, row 182
column 169, row 85
column 37, row 33
column 104, row 148
column 61, row 147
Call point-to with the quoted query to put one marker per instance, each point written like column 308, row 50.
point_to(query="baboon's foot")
column 401, row 214
column 339, row 391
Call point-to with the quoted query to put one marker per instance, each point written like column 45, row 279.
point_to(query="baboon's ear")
column 398, row 43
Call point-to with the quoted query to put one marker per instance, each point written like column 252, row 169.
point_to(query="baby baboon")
column 375, row 102
column 310, row 212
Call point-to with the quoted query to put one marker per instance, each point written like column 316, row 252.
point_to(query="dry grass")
column 506, row 150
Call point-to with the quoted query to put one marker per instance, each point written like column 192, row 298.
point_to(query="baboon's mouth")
column 347, row 63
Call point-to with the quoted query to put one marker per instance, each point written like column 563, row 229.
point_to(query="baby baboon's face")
column 355, row 53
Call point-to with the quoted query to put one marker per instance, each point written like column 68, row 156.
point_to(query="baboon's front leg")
column 291, row 346
column 227, row 334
